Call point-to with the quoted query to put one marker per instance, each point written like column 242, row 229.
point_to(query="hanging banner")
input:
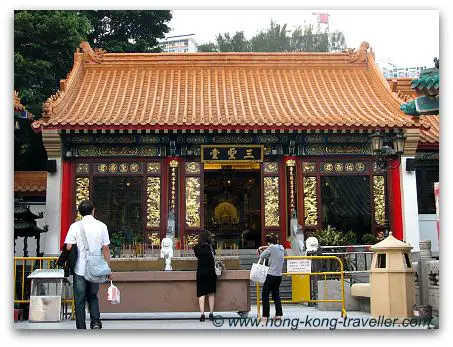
column 436, row 196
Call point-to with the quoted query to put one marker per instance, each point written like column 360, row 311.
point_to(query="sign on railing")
column 300, row 266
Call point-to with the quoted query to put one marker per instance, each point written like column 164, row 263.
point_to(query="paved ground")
column 296, row 317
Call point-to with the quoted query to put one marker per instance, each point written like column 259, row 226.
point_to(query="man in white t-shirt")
column 98, row 239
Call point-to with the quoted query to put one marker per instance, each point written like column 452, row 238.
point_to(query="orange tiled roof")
column 30, row 181
column 224, row 90
column 402, row 86
column 430, row 135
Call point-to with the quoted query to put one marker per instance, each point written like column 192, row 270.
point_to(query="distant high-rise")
column 390, row 70
column 179, row 44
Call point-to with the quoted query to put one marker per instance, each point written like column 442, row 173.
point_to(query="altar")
column 175, row 291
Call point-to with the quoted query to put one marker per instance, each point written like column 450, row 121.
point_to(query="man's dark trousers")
column 85, row 291
column 272, row 284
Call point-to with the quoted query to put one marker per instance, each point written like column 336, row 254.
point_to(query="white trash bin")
column 46, row 295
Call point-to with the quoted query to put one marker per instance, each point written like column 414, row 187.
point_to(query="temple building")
column 421, row 98
column 231, row 142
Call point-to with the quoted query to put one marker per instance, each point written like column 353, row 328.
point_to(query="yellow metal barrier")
column 314, row 257
column 28, row 263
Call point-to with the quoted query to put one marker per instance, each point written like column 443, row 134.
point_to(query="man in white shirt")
column 98, row 239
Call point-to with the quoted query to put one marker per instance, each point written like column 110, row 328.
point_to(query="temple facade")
column 236, row 143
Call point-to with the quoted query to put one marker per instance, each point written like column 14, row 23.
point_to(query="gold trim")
column 210, row 161
column 193, row 201
column 82, row 192
column 292, row 188
column 242, row 166
column 153, row 201
column 193, row 167
column 174, row 163
column 270, row 167
column 379, row 199
column 310, row 201
column 153, row 167
column 309, row 167
column 291, row 162
column 271, row 202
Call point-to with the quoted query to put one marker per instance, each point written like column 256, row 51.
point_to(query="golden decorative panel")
column 153, row 167
column 153, row 201
column 291, row 162
column 82, row 168
column 271, row 202
column 349, row 167
column 193, row 168
column 308, row 167
column 173, row 187
column 360, row 167
column 191, row 240
column 379, row 199
column 193, row 201
column 292, row 188
column 82, row 192
column 154, row 239
column 310, row 201
column 328, row 167
column 339, row 167
column 270, row 167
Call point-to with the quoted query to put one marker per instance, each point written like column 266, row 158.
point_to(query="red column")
column 395, row 203
column 283, row 202
column 66, row 199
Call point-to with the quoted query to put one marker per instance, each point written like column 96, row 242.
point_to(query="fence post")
column 425, row 256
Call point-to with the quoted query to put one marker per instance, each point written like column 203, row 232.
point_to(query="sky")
column 394, row 35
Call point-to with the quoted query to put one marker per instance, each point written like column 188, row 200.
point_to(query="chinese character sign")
column 231, row 153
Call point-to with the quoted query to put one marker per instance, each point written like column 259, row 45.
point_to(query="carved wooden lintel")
column 52, row 143
column 413, row 137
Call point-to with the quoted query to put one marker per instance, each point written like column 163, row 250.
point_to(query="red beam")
column 396, row 210
column 66, row 199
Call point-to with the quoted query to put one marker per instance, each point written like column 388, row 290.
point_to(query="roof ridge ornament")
column 91, row 55
column 360, row 55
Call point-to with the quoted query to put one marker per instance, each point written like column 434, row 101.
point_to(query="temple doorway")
column 232, row 205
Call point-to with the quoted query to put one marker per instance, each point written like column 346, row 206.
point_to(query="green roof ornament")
column 427, row 85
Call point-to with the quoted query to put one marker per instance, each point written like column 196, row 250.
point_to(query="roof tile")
column 227, row 90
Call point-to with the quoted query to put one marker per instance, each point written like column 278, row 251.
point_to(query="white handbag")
column 259, row 271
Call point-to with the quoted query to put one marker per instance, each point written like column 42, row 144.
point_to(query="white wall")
column 428, row 230
column 53, row 212
column 410, row 206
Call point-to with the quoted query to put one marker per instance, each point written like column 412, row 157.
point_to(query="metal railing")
column 340, row 273
column 23, row 266
column 357, row 258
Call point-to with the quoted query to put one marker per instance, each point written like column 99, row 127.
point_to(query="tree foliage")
column 277, row 38
column 44, row 46
column 123, row 31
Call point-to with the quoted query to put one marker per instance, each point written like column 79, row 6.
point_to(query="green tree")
column 124, row 31
column 273, row 39
column 276, row 38
column 44, row 45
column 337, row 41
column 237, row 43
column 207, row 47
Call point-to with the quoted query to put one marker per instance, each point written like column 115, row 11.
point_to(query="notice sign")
column 302, row 266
